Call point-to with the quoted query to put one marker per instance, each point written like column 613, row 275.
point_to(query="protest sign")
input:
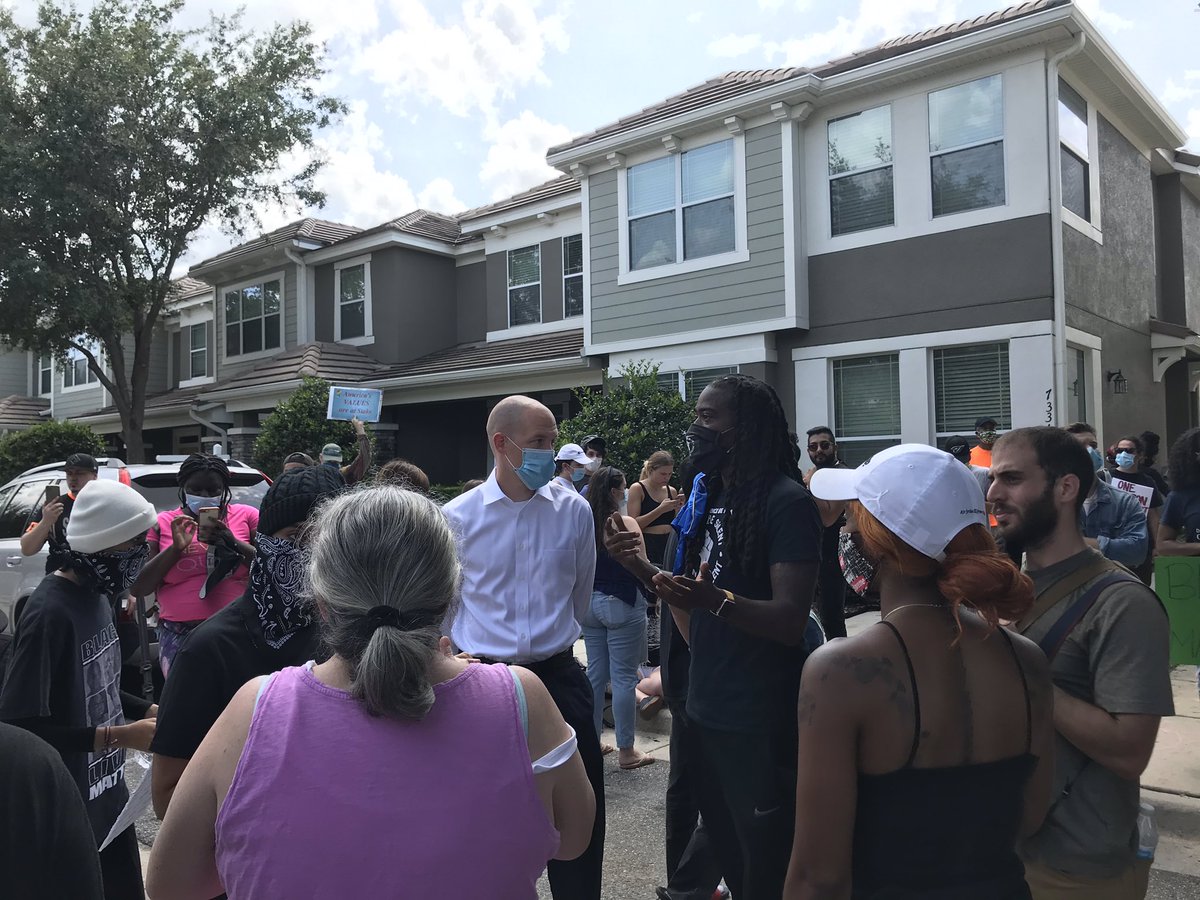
column 346, row 403
column 1177, row 583
column 1144, row 493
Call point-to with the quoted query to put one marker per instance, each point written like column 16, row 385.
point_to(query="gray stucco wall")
column 412, row 304
column 1168, row 238
column 323, row 285
column 159, row 379
column 1190, row 224
column 233, row 365
column 471, row 302
column 966, row 278
column 1110, row 288
column 713, row 298
column 14, row 372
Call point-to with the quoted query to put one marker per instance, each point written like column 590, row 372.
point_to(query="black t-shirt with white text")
column 66, row 669
column 216, row 659
column 56, row 542
column 739, row 682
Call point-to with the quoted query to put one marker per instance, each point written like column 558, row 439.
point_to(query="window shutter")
column 867, row 396
column 970, row 382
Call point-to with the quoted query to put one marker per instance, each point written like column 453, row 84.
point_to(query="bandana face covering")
column 110, row 572
column 858, row 571
column 277, row 582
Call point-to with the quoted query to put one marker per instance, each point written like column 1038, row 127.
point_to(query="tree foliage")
column 634, row 416
column 45, row 442
column 298, row 424
column 121, row 133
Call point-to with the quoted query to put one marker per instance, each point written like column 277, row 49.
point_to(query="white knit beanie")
column 107, row 513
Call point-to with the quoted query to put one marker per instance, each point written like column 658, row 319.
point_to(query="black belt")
column 557, row 659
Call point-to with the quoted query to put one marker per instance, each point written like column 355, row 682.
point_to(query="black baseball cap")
column 984, row 420
column 82, row 461
column 958, row 446
column 594, row 441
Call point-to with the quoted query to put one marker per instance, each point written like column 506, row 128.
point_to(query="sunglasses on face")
column 820, row 445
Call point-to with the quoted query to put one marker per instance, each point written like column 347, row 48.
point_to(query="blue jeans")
column 615, row 636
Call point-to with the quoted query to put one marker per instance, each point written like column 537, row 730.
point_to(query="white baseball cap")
column 921, row 494
column 574, row 453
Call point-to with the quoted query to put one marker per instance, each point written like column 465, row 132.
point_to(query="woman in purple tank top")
column 395, row 769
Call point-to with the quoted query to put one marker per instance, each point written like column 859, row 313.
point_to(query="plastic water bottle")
column 1147, row 832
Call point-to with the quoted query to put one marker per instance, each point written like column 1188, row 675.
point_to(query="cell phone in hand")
column 52, row 492
column 208, row 516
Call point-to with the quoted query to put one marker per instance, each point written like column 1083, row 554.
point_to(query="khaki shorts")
column 1049, row 884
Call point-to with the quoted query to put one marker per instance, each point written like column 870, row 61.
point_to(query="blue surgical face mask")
column 578, row 475
column 195, row 503
column 1097, row 459
column 1125, row 459
column 536, row 469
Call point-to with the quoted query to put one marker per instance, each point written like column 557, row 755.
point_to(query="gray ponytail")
column 385, row 547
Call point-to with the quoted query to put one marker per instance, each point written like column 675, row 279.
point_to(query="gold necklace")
column 909, row 606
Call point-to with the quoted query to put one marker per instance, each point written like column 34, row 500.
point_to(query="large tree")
column 121, row 133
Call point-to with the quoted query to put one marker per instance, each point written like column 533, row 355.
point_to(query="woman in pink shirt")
column 198, row 569
column 393, row 769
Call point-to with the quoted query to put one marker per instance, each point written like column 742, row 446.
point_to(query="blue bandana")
column 687, row 520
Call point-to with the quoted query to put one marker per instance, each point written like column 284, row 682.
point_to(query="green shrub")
column 298, row 424
column 46, row 442
column 634, row 416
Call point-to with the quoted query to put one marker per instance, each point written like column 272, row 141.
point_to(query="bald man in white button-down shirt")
column 528, row 553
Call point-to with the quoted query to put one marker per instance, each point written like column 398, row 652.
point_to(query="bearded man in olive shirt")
column 1107, row 638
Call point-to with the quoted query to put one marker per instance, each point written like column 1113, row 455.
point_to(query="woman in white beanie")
column 63, row 680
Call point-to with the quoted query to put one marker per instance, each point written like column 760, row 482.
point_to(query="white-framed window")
column 1077, row 385
column 966, row 146
column 681, row 207
column 970, row 381
column 866, row 405
column 525, row 286
column 77, row 373
column 352, row 287
column 572, row 254
column 860, row 171
column 45, row 375
column 1073, row 152
column 254, row 317
column 690, row 382
column 198, row 350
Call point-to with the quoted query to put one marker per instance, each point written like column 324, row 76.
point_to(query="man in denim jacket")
column 1115, row 524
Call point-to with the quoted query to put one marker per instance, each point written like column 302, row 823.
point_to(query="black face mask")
column 705, row 453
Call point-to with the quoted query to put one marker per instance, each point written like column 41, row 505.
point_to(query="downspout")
column 1059, row 323
column 301, row 295
column 195, row 417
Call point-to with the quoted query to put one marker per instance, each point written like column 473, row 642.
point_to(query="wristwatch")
column 723, row 608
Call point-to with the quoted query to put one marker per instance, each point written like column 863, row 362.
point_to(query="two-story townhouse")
column 979, row 219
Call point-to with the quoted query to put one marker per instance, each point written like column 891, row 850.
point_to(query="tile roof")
column 556, row 187
column 182, row 288
column 423, row 223
column 542, row 348
column 317, row 231
column 734, row 84
column 17, row 412
column 333, row 362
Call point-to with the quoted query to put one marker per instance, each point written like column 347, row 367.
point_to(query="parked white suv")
column 22, row 497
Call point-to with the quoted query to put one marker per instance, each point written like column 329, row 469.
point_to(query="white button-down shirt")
column 527, row 571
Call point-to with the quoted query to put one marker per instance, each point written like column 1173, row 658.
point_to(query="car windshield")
column 162, row 491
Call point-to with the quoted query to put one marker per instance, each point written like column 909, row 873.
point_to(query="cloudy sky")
column 453, row 104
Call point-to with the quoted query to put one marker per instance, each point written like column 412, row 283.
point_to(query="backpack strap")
column 1065, row 586
column 1053, row 640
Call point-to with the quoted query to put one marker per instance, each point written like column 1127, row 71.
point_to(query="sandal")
column 644, row 760
column 606, row 749
column 648, row 707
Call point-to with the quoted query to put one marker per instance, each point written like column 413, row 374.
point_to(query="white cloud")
column 1106, row 19
column 876, row 20
column 693, row 17
column 516, row 159
column 1178, row 93
column 469, row 63
column 439, row 196
column 734, row 45
column 1193, row 129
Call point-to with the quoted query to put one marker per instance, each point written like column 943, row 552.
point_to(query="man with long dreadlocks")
column 203, row 552
column 741, row 590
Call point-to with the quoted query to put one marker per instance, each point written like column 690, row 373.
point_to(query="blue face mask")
column 1125, row 459
column 536, row 469
column 195, row 503
column 578, row 475
column 1097, row 459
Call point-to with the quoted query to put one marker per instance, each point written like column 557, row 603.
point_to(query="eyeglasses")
column 820, row 445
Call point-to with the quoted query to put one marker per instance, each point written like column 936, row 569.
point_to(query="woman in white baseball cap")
column 925, row 744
